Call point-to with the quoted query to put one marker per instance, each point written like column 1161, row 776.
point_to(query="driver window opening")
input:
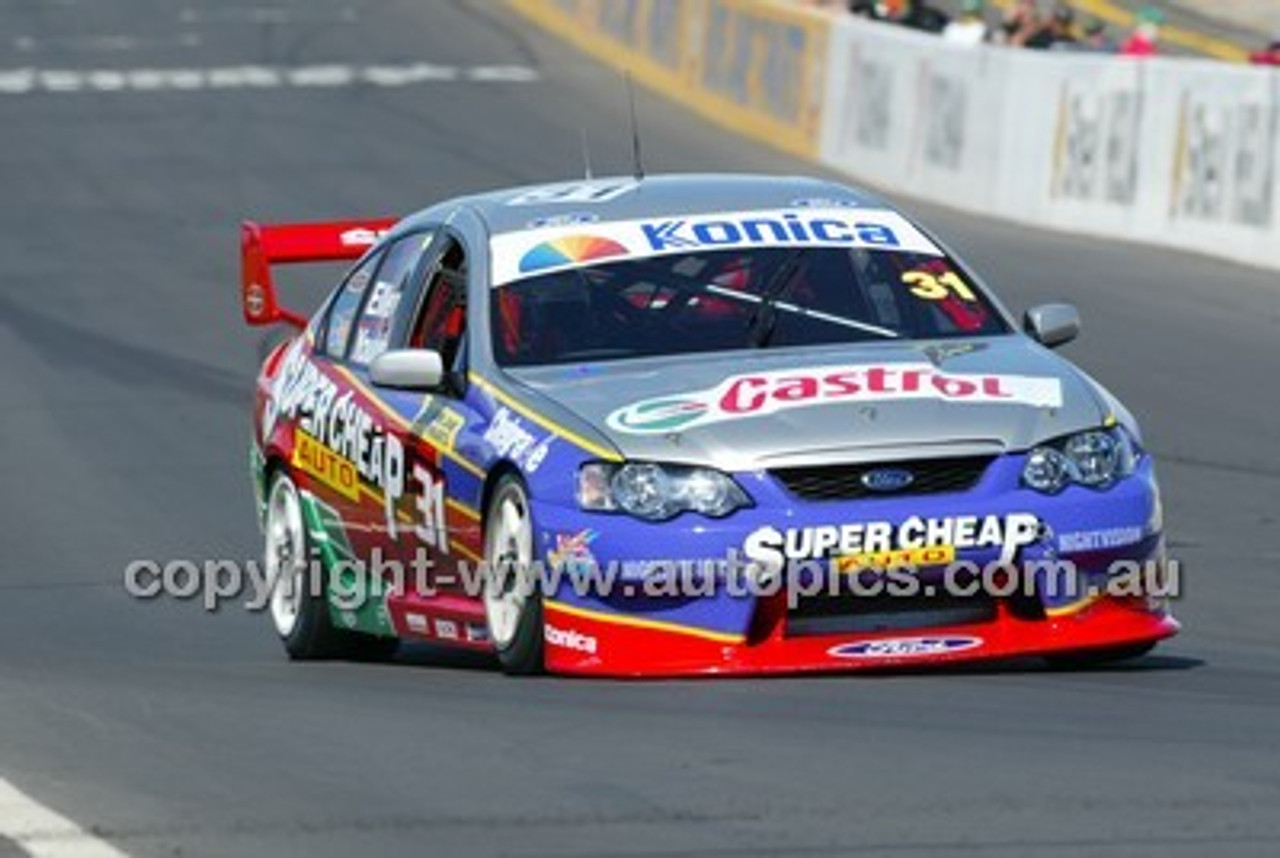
column 442, row 324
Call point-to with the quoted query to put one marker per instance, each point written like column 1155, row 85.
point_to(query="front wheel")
column 512, row 602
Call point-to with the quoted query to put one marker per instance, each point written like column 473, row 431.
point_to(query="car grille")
column 844, row 482
column 849, row 613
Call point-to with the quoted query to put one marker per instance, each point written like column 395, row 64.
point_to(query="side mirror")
column 1052, row 325
column 408, row 369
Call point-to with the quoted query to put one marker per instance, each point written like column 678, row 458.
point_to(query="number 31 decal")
column 938, row 287
column 430, row 528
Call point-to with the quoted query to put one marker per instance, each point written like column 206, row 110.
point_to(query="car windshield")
column 727, row 300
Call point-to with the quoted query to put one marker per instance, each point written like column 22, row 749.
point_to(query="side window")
column 342, row 312
column 377, row 319
column 442, row 323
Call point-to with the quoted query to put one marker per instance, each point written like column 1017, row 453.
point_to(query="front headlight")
column 657, row 492
column 1097, row 459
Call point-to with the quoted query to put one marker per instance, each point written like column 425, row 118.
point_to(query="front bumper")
column 601, row 645
column 622, row 621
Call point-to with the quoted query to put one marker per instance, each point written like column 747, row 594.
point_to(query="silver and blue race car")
column 682, row 425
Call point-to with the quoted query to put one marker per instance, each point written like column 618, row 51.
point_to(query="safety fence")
column 1174, row 152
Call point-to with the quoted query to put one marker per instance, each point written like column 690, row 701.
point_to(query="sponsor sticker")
column 570, row 250
column 883, row 544
column 255, row 300
column 372, row 336
column 570, row 639
column 825, row 203
column 439, row 424
column 739, row 397
column 361, row 237
column 935, row 555
column 564, row 220
column 573, row 547
column 358, row 281
column 383, row 300
column 511, row 440
column 916, row 647
column 552, row 248
column 1095, row 540
column 312, row 457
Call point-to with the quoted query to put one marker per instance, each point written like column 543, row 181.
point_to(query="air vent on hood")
column 847, row 613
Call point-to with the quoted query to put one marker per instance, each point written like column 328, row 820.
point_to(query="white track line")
column 266, row 15
column 331, row 76
column 44, row 834
column 104, row 43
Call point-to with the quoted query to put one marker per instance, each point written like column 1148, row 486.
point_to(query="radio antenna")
column 586, row 157
column 635, row 128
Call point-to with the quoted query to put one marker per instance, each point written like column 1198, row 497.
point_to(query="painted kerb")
column 757, row 69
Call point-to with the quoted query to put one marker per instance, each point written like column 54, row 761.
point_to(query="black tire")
column 311, row 635
column 1087, row 658
column 520, row 651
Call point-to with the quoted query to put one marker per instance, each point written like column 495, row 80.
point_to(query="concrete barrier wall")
column 1182, row 153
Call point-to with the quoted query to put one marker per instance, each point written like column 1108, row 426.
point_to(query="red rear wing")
column 262, row 246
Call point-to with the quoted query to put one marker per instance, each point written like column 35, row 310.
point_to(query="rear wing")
column 265, row 245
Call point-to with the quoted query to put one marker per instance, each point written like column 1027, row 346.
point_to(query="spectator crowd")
column 1027, row 24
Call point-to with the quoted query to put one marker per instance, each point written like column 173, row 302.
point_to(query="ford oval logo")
column 905, row 647
column 887, row 479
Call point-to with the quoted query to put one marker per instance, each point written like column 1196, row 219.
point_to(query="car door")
column 443, row 545
column 357, row 454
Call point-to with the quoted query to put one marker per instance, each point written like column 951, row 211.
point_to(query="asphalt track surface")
column 124, row 383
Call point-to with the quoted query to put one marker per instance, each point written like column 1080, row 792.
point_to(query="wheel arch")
column 271, row 464
column 500, row 469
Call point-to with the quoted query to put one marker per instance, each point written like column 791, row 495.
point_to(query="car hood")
column 880, row 401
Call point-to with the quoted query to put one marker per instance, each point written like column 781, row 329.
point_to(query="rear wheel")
column 512, row 602
column 1087, row 658
column 298, row 606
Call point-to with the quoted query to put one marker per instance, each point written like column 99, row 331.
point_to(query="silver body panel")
column 829, row 432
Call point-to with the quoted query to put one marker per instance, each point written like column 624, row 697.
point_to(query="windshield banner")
column 529, row 253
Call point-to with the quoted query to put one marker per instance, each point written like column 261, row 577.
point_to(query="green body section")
column 357, row 601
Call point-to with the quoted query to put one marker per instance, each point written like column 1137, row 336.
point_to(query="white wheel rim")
column 285, row 557
column 509, row 554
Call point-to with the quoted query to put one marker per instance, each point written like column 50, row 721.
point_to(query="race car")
column 687, row 425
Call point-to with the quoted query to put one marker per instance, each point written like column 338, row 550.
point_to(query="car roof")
column 626, row 198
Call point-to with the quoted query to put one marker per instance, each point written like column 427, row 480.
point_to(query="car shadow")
column 444, row 657
column 1031, row 665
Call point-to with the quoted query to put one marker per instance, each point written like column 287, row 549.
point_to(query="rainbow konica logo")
column 570, row 250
